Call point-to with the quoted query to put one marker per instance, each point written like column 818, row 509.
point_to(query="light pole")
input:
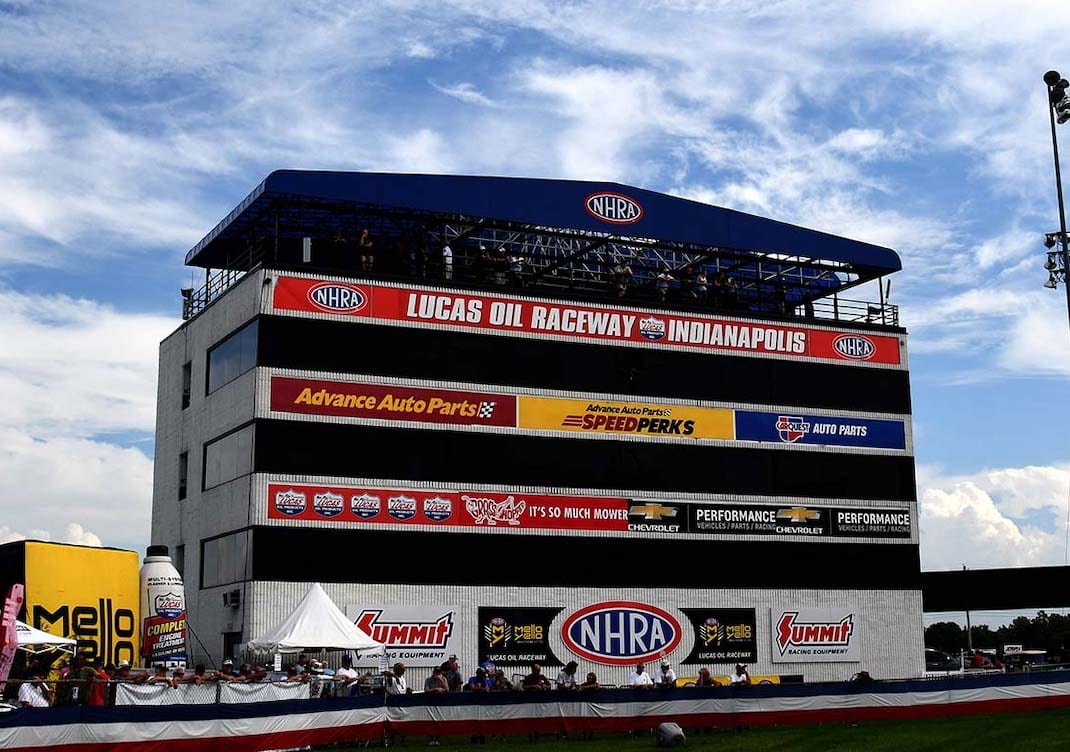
column 1058, row 263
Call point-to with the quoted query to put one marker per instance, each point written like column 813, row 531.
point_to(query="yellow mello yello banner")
column 88, row 594
column 649, row 420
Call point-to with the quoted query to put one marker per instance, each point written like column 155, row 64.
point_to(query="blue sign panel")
column 798, row 428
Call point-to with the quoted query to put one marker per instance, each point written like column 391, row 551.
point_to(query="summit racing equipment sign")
column 815, row 635
column 407, row 403
column 796, row 428
column 553, row 320
column 414, row 635
column 636, row 418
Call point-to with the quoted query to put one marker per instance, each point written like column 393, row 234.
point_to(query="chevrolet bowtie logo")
column 652, row 511
column 798, row 514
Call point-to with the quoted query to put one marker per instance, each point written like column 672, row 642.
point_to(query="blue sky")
column 126, row 133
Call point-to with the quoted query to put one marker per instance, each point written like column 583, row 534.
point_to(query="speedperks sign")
column 469, row 311
column 816, row 635
column 414, row 635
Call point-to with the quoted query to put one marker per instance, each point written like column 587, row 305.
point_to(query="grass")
column 1037, row 731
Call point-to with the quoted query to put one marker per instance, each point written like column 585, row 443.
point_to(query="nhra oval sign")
column 621, row 633
column 333, row 297
column 614, row 208
column 854, row 346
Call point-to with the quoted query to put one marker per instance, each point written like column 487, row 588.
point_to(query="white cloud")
column 994, row 518
column 76, row 367
column 465, row 91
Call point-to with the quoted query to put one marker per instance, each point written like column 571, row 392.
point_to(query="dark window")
column 228, row 457
column 301, row 448
column 183, row 475
column 232, row 357
column 231, row 640
column 512, row 361
column 225, row 559
column 757, row 564
column 187, row 384
column 180, row 559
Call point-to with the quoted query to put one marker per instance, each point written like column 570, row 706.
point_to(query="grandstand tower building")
column 617, row 426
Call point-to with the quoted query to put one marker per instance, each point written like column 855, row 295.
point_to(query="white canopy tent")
column 317, row 624
column 34, row 641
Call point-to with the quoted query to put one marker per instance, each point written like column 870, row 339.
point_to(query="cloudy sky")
column 127, row 132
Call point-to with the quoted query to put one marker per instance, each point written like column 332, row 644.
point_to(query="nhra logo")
column 328, row 504
column 169, row 605
column 365, row 506
column 438, row 509
column 407, row 634
column 401, row 507
column 614, row 208
column 854, row 346
column 651, row 328
column 791, row 633
column 337, row 298
column 620, row 633
column 290, row 502
column 791, row 428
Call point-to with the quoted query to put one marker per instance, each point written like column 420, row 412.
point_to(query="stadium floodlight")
column 1058, row 262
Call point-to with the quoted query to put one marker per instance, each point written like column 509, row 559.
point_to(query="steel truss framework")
column 408, row 243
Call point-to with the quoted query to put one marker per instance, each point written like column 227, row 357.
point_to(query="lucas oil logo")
column 333, row 297
column 621, row 633
column 438, row 509
column 791, row 428
column 651, row 328
column 290, row 502
column 328, row 504
column 401, row 507
column 365, row 506
column 614, row 208
column 169, row 605
column 854, row 346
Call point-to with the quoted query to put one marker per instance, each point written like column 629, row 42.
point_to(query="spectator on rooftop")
column 566, row 677
column 700, row 288
column 536, row 680
column 661, row 283
column 622, row 275
column 367, row 259
column 501, row 682
column 447, row 262
column 34, row 692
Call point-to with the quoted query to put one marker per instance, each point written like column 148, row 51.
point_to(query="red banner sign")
column 345, row 399
column 576, row 321
column 470, row 509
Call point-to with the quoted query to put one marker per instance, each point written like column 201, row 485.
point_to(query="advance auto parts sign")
column 414, row 635
column 636, row 418
column 816, row 635
column 516, row 636
column 478, row 312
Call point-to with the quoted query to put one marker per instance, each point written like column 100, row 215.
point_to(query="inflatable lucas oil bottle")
column 163, row 610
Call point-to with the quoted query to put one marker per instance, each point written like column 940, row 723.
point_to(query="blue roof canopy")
column 552, row 205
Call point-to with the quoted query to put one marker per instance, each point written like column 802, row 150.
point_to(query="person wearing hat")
column 741, row 677
column 667, row 677
column 227, row 669
column 566, row 677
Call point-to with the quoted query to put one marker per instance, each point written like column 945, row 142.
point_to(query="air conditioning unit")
column 232, row 598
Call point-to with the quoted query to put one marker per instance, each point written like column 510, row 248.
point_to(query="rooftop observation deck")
column 552, row 238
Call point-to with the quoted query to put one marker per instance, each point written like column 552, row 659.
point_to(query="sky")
column 127, row 130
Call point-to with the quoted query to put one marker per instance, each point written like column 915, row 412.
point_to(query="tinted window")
column 225, row 559
column 481, row 359
column 228, row 457
column 232, row 357
column 187, row 384
column 183, row 475
column 434, row 456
